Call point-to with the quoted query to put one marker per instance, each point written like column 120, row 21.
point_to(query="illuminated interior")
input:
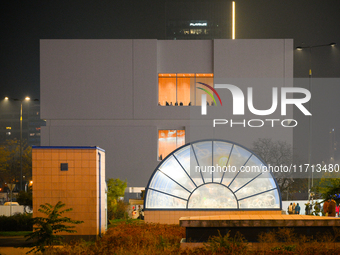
column 181, row 89
column 168, row 141
column 183, row 179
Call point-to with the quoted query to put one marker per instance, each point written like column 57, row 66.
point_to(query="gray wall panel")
column 131, row 152
column 185, row 56
column 86, row 79
column 249, row 58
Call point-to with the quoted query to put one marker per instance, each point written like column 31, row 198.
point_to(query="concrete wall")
column 5, row 210
column 105, row 93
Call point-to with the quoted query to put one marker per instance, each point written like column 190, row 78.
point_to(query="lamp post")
column 25, row 99
column 299, row 48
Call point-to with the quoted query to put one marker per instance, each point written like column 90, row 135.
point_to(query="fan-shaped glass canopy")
column 212, row 174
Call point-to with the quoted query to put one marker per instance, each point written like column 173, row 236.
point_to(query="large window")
column 182, row 89
column 168, row 141
column 212, row 174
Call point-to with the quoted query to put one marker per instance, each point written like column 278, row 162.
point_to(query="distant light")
column 6, row 98
column 332, row 44
column 27, row 98
column 198, row 24
column 233, row 22
column 299, row 48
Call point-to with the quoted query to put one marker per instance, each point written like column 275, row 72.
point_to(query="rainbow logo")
column 209, row 93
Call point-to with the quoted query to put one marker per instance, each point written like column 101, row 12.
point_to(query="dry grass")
column 140, row 238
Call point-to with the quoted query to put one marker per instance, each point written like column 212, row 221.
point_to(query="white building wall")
column 105, row 93
column 86, row 79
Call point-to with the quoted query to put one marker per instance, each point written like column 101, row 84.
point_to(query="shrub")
column 131, row 237
column 119, row 211
column 227, row 244
column 16, row 222
column 46, row 229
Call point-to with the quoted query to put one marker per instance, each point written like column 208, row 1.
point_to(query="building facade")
column 75, row 176
column 198, row 20
column 10, row 121
column 140, row 99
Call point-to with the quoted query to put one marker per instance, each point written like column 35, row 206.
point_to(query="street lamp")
column 299, row 48
column 25, row 99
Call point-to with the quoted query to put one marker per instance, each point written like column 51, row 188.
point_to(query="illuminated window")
column 8, row 133
column 182, row 89
column 8, row 127
column 168, row 141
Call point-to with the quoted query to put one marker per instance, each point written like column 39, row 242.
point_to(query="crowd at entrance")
column 329, row 208
column 294, row 209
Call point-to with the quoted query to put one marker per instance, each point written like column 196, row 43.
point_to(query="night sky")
column 23, row 23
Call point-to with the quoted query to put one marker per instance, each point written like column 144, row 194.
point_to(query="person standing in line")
column 325, row 207
column 331, row 208
column 290, row 208
column 297, row 209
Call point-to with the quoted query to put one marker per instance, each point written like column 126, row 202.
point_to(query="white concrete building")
column 107, row 93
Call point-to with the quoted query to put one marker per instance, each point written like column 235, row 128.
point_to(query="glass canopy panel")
column 183, row 156
column 212, row 195
column 220, row 158
column 260, row 184
column 251, row 169
column 238, row 158
column 203, row 151
column 267, row 200
column 173, row 169
column 178, row 182
column 163, row 183
column 157, row 200
column 195, row 172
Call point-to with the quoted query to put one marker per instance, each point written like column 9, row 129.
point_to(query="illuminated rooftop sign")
column 198, row 24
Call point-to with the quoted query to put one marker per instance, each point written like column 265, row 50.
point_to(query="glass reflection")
column 173, row 169
column 183, row 180
column 267, row 200
column 160, row 200
column 212, row 196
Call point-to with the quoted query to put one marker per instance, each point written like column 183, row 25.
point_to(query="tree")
column 115, row 189
column 328, row 187
column 10, row 161
column 276, row 153
column 25, row 198
column 46, row 228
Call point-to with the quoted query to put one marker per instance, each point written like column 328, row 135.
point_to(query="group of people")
column 294, row 209
column 181, row 104
column 329, row 208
